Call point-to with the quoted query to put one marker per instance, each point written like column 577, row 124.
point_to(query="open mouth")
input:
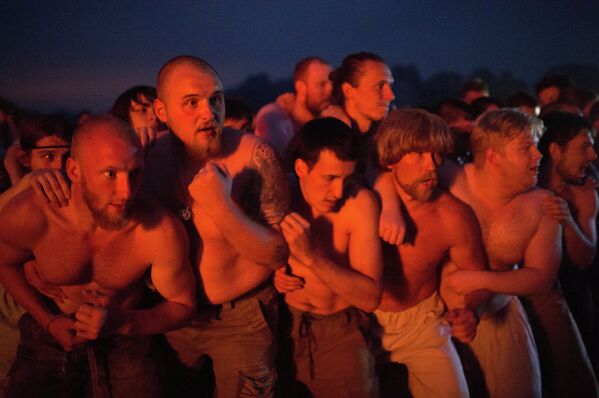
column 207, row 130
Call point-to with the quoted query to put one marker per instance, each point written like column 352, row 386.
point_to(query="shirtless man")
column 97, row 251
column 441, row 230
column 231, row 191
column 335, row 261
column 500, row 187
column 567, row 148
column 278, row 121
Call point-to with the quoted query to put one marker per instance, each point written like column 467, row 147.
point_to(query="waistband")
column 263, row 292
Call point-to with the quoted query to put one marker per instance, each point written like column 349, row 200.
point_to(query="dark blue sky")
column 78, row 54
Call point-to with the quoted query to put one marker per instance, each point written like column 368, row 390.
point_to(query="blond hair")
column 494, row 129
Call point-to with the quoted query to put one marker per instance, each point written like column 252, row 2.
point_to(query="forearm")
column 520, row 282
column 13, row 279
column 581, row 250
column 357, row 289
column 164, row 317
column 253, row 241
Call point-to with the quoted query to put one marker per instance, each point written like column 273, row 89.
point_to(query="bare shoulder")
column 453, row 212
column 533, row 198
column 24, row 219
column 455, row 217
column 360, row 205
column 157, row 220
column 337, row 112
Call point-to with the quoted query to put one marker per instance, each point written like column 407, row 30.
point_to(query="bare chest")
column 69, row 257
column 507, row 232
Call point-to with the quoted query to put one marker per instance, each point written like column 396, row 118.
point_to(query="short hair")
column 411, row 130
column 111, row 124
column 520, row 98
column 236, row 108
column 165, row 72
column 350, row 71
column 122, row 105
column 33, row 129
column 554, row 80
column 494, row 128
column 301, row 68
column 561, row 128
column 475, row 84
column 320, row 134
column 452, row 110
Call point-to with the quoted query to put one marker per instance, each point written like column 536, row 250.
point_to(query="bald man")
column 278, row 121
column 231, row 191
column 97, row 251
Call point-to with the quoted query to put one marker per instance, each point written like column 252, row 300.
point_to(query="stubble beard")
column 208, row 150
column 100, row 214
column 569, row 178
column 416, row 192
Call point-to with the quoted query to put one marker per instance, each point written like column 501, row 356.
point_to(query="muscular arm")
column 172, row 277
column 467, row 252
column 541, row 262
column 360, row 284
column 21, row 224
column 261, row 244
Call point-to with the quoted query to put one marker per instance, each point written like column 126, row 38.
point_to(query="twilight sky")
column 72, row 55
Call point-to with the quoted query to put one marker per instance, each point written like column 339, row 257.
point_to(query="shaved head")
column 164, row 73
column 87, row 132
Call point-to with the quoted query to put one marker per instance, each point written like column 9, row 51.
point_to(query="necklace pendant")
column 185, row 214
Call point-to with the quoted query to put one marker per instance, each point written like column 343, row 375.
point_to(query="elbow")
column 276, row 255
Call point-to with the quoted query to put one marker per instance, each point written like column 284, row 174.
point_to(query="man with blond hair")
column 523, row 247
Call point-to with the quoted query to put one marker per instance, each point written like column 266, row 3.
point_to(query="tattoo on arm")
column 272, row 185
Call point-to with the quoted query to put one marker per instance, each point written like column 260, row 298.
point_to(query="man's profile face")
column 373, row 95
column 416, row 174
column 318, row 87
column 194, row 108
column 520, row 161
column 110, row 179
column 575, row 157
column 322, row 184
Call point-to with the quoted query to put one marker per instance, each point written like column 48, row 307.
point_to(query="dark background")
column 73, row 55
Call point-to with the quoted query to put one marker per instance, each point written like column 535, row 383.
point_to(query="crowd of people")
column 329, row 246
